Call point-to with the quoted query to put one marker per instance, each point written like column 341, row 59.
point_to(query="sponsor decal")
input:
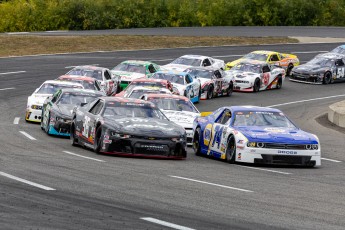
column 239, row 156
column 207, row 134
column 240, row 142
column 290, row 152
column 274, row 130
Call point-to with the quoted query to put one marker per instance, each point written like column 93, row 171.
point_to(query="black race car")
column 57, row 111
column 126, row 126
column 322, row 69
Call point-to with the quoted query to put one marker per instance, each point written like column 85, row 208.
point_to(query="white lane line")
column 90, row 158
column 56, row 31
column 14, row 33
column 26, row 181
column 166, row 224
column 28, row 135
column 327, row 159
column 219, row 185
column 314, row 99
column 268, row 170
column 12, row 72
column 6, row 89
column 16, row 120
column 73, row 66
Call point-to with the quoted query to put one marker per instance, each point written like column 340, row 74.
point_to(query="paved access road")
column 45, row 183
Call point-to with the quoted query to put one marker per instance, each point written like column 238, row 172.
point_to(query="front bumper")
column 243, row 87
column 61, row 128
column 144, row 147
column 279, row 156
column 305, row 78
column 33, row 115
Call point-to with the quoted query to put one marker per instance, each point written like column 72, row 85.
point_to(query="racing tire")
column 98, row 140
column 47, row 128
column 230, row 90
column 279, row 83
column 289, row 69
column 74, row 140
column 327, row 79
column 196, row 142
column 256, row 86
column 231, row 150
column 210, row 93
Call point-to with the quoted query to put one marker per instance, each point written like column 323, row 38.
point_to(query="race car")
column 255, row 76
column 57, row 111
column 322, row 69
column 339, row 50
column 213, row 81
column 287, row 61
column 253, row 134
column 183, row 84
column 47, row 89
column 126, row 126
column 110, row 82
column 178, row 109
column 138, row 91
column 146, row 82
column 185, row 61
column 132, row 69
column 87, row 82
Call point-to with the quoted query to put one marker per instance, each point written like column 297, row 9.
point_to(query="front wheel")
column 210, row 93
column 231, row 150
column 98, row 140
column 196, row 142
column 289, row 69
column 47, row 128
column 256, row 86
column 327, row 79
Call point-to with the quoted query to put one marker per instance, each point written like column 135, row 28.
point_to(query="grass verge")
column 18, row 45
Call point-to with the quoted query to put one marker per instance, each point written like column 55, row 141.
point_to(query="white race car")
column 213, row 81
column 183, row 84
column 255, row 76
column 185, row 61
column 36, row 100
column 110, row 82
column 138, row 91
column 178, row 109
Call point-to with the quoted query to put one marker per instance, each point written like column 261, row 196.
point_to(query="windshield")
column 174, row 104
column 320, row 61
column 173, row 78
column 131, row 109
column 85, row 84
column 339, row 50
column 245, row 67
column 255, row 56
column 129, row 67
column 187, row 61
column 97, row 74
column 76, row 98
column 260, row 118
column 201, row 73
column 51, row 88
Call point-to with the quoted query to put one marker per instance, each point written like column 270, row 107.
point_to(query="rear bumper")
column 33, row 115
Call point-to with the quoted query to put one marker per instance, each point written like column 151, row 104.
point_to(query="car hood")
column 128, row 75
column 66, row 110
column 145, row 127
column 241, row 74
column 277, row 135
column 183, row 118
column 307, row 68
column 38, row 99
column 235, row 62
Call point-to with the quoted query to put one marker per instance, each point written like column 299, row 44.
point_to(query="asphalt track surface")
column 90, row 191
column 237, row 31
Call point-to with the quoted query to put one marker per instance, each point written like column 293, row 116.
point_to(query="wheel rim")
column 230, row 151
column 327, row 78
column 196, row 143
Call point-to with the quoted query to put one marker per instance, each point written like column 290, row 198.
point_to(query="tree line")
column 42, row 15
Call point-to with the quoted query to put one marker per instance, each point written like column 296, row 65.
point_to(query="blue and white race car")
column 183, row 84
column 254, row 135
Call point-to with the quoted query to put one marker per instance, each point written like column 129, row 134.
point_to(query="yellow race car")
column 287, row 61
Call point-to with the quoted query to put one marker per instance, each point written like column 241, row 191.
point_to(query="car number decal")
column 86, row 128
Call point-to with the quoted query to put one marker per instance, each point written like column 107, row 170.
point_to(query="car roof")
column 250, row 108
column 264, row 52
column 123, row 99
column 143, row 87
column 139, row 62
column 77, row 77
column 143, row 79
column 253, row 62
column 59, row 82
column 173, row 72
column 73, row 90
column 331, row 55
column 92, row 67
column 209, row 68
column 156, row 95
column 192, row 56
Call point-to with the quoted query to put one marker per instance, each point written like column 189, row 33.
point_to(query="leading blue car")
column 253, row 134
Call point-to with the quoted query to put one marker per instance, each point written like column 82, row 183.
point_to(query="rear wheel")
column 196, row 142
column 98, row 140
column 256, row 86
column 279, row 83
column 230, row 90
column 210, row 92
column 47, row 128
column 327, row 79
column 231, row 150
column 289, row 69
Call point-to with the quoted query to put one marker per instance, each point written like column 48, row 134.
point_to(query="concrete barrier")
column 336, row 113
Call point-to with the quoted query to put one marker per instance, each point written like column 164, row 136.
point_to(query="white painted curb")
column 336, row 113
